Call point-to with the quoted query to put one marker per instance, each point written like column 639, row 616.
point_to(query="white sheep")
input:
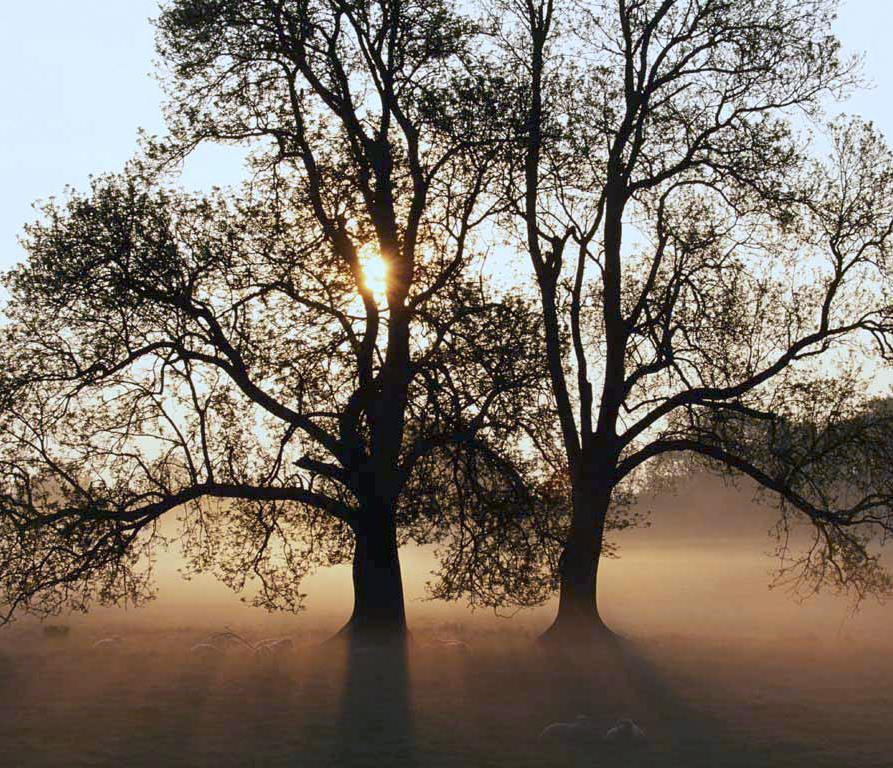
column 625, row 731
column 206, row 651
column 228, row 639
column 219, row 643
column 107, row 643
column 458, row 645
column 273, row 646
column 581, row 729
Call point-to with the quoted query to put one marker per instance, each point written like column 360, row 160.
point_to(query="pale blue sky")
column 76, row 85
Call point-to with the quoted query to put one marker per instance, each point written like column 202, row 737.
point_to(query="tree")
column 231, row 357
column 698, row 271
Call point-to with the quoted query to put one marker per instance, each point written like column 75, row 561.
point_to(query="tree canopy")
column 227, row 356
column 698, row 264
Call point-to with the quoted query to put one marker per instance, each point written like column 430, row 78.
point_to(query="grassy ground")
column 151, row 703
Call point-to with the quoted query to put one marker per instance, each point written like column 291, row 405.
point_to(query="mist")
column 703, row 565
column 719, row 670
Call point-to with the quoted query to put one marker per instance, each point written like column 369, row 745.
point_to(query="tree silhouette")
column 229, row 357
column 707, row 289
column 706, row 286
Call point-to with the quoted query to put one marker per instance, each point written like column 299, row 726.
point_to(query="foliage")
column 706, row 266
column 223, row 358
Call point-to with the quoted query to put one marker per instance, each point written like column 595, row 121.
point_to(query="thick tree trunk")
column 378, row 612
column 578, row 618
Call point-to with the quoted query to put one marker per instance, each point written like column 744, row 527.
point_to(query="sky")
column 76, row 85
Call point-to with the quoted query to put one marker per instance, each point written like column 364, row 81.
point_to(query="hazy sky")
column 76, row 85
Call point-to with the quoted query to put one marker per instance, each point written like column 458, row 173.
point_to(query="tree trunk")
column 578, row 618
column 378, row 612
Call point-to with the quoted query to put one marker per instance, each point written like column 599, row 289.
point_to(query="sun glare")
column 375, row 271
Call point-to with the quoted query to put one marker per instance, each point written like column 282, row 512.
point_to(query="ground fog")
column 718, row 670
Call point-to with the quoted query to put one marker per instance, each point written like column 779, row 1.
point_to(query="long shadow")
column 375, row 722
column 616, row 679
column 686, row 734
column 585, row 679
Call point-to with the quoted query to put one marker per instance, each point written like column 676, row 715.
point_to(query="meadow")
column 459, row 696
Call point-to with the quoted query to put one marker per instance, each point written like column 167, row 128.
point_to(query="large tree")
column 230, row 358
column 708, row 288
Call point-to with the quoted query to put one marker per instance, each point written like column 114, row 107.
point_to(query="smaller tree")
column 697, row 270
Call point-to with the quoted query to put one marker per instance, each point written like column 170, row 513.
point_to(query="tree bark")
column 578, row 618
column 379, row 612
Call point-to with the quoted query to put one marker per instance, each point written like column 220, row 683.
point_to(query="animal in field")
column 273, row 646
column 583, row 731
column 625, row 732
column 580, row 730
column 455, row 645
column 56, row 631
column 221, row 643
column 108, row 643
column 205, row 651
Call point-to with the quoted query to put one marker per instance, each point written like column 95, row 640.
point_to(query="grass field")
column 149, row 702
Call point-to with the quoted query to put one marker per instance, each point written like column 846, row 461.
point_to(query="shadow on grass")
column 615, row 679
column 375, row 718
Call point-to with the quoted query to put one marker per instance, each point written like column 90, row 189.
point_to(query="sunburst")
column 375, row 271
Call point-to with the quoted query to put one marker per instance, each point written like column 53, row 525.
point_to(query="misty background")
column 77, row 89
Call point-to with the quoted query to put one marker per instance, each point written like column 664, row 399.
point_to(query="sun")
column 375, row 271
